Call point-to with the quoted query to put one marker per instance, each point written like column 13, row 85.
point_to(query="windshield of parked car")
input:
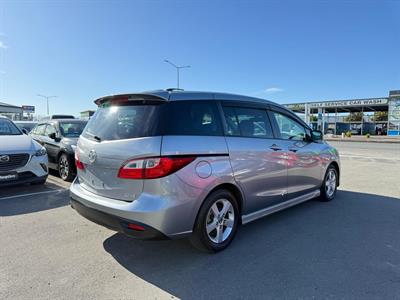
column 8, row 128
column 26, row 126
column 72, row 129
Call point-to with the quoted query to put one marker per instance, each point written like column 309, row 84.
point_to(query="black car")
column 59, row 137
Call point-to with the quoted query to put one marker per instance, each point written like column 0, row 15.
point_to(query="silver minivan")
column 172, row 164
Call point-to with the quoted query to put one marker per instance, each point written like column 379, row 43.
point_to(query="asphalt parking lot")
column 345, row 249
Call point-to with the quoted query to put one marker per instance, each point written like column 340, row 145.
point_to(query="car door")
column 258, row 162
column 38, row 132
column 52, row 145
column 302, row 155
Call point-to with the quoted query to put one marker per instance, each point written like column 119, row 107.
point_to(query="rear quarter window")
column 193, row 118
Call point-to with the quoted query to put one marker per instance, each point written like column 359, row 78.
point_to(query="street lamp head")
column 171, row 63
column 47, row 97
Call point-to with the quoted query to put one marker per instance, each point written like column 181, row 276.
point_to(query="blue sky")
column 290, row 52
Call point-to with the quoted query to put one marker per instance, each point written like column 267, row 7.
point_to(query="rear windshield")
column 122, row 122
column 173, row 118
column 62, row 117
column 8, row 128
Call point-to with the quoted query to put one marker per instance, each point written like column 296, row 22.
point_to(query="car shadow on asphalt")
column 315, row 249
column 25, row 199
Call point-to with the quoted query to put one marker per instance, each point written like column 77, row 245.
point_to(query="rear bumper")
column 116, row 223
column 160, row 216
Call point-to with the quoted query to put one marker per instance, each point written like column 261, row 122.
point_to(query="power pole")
column 178, row 68
column 47, row 100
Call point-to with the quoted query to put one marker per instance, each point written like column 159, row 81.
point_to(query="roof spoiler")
column 121, row 98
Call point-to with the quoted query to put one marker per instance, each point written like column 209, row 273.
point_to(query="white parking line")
column 32, row 194
column 370, row 157
column 59, row 182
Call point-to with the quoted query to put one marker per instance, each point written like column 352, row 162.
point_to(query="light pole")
column 177, row 70
column 47, row 99
column 2, row 85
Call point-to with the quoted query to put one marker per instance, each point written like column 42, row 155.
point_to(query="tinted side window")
column 232, row 123
column 289, row 129
column 247, row 122
column 193, row 118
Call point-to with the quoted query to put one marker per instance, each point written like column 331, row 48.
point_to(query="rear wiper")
column 94, row 137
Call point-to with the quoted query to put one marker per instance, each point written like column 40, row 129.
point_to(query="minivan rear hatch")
column 124, row 127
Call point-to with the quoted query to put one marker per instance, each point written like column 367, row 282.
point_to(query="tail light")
column 79, row 165
column 154, row 167
column 136, row 227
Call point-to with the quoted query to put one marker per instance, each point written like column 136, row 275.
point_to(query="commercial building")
column 87, row 114
column 11, row 111
column 375, row 116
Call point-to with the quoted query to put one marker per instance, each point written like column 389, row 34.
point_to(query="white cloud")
column 273, row 90
column 2, row 45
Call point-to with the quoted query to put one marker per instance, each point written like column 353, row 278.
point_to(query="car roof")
column 67, row 120
column 61, row 120
column 176, row 95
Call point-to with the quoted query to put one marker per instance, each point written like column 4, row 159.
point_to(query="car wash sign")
column 28, row 108
column 350, row 103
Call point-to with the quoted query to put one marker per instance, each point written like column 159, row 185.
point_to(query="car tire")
column 216, row 223
column 329, row 186
column 65, row 167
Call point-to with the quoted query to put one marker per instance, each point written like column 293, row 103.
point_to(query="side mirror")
column 316, row 136
column 52, row 135
column 24, row 131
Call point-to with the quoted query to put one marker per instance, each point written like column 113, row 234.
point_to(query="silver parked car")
column 22, row 160
column 171, row 164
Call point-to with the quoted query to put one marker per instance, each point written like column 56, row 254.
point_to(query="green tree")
column 354, row 117
column 380, row 116
column 313, row 118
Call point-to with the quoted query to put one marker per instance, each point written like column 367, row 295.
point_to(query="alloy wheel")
column 330, row 183
column 63, row 167
column 220, row 221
